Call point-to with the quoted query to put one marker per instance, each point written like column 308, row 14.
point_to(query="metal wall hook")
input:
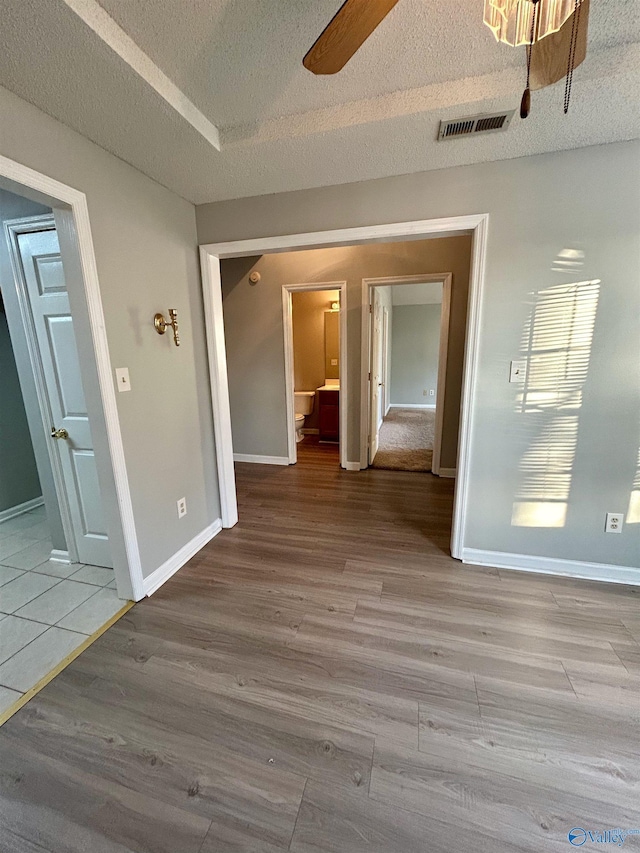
column 161, row 324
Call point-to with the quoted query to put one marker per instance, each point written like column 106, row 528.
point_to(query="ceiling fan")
column 345, row 33
column 553, row 31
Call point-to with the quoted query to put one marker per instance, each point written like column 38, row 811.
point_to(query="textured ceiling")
column 237, row 65
column 240, row 61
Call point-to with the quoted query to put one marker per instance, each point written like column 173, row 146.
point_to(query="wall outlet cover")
column 614, row 522
column 182, row 507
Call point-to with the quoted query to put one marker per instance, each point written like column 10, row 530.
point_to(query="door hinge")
column 370, row 308
column 369, row 377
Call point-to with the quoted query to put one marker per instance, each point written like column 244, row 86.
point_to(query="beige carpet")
column 406, row 440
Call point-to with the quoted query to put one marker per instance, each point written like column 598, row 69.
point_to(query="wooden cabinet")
column 329, row 415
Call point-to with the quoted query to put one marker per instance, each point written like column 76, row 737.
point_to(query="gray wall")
column 14, row 207
column 587, row 200
column 145, row 243
column 414, row 353
column 19, row 481
column 255, row 335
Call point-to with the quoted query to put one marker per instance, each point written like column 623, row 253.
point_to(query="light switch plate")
column 518, row 370
column 122, row 378
column 334, row 362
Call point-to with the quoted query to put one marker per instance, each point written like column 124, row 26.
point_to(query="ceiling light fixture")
column 526, row 22
column 511, row 20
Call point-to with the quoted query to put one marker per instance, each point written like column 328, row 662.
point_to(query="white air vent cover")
column 470, row 125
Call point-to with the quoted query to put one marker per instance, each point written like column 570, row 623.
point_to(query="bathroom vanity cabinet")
column 329, row 414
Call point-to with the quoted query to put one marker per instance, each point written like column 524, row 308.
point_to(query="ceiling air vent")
column 470, row 125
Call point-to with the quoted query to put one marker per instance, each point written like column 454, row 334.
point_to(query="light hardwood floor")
column 324, row 677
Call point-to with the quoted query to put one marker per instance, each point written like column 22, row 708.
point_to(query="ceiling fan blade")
column 549, row 55
column 347, row 31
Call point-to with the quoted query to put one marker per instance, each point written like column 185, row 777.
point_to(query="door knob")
column 59, row 433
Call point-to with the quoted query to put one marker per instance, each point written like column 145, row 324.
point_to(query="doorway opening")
column 60, row 582
column 315, row 348
column 405, row 344
column 246, row 252
column 40, row 325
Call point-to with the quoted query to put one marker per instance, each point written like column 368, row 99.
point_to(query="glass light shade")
column 510, row 20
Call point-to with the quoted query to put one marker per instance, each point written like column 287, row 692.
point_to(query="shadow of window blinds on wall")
column 556, row 344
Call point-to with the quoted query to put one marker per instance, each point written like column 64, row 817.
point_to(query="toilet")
column 303, row 407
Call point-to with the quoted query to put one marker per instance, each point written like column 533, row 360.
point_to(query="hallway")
column 324, row 677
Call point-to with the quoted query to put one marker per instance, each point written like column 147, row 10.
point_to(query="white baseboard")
column 352, row 466
column 311, row 432
column 166, row 570
column 447, row 472
column 386, row 411
column 59, row 556
column 20, row 509
column 412, row 406
column 262, row 460
column 553, row 566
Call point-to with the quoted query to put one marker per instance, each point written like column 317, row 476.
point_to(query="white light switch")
column 122, row 378
column 518, row 370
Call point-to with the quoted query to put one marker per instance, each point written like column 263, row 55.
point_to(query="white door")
column 48, row 304
column 384, row 397
column 376, row 377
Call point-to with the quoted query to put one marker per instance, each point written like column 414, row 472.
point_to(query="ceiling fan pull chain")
column 525, row 103
column 572, row 55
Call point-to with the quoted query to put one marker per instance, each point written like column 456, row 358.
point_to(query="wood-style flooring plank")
column 541, row 635
column 503, row 794
column 349, row 824
column 427, row 654
column 189, row 771
column 176, row 691
column 55, row 803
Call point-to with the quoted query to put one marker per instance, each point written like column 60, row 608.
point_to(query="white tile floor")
column 47, row 609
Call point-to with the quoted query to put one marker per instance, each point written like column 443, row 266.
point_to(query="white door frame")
column 212, row 253
column 287, row 319
column 365, row 395
column 59, row 196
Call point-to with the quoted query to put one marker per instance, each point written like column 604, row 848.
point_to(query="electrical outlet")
column 432, row 392
column 614, row 522
column 182, row 507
